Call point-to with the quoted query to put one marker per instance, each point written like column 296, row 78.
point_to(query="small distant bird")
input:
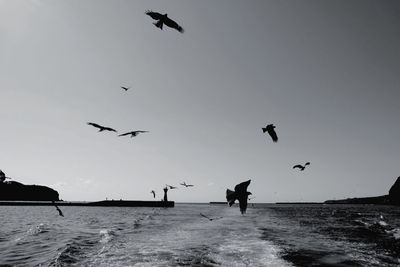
column 163, row 19
column 186, row 185
column 270, row 129
column 171, row 187
column 300, row 166
column 133, row 133
column 211, row 219
column 240, row 194
column 125, row 88
column 101, row 128
column 59, row 211
column 154, row 193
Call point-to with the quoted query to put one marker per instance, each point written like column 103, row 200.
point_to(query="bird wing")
column 170, row 23
column 154, row 15
column 230, row 196
column 297, row 166
column 243, row 203
column 94, row 125
column 272, row 133
column 307, row 163
column 242, row 187
column 109, row 129
column 141, row 131
column 205, row 216
column 124, row 134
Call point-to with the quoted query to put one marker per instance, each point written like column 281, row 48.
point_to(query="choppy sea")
column 268, row 235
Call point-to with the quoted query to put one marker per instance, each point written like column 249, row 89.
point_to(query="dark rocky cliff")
column 16, row 191
column 392, row 199
column 394, row 193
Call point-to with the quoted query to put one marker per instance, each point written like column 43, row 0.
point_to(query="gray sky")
column 326, row 73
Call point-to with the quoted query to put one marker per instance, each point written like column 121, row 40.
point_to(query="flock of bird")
column 240, row 191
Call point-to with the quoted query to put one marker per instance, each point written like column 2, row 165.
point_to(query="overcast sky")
column 326, row 73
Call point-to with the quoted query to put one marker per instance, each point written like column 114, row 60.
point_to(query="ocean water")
column 268, row 235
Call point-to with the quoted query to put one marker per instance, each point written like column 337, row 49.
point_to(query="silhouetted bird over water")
column 240, row 194
column 186, row 185
column 101, row 128
column 211, row 219
column 163, row 19
column 154, row 193
column 133, row 133
column 300, row 166
column 59, row 211
column 270, row 129
column 125, row 88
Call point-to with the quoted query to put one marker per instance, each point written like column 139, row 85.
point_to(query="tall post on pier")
column 165, row 194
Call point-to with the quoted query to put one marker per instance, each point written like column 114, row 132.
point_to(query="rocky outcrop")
column 16, row 191
column 394, row 193
column 392, row 199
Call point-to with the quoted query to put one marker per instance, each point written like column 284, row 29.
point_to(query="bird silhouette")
column 171, row 187
column 270, row 129
column 211, row 219
column 154, row 193
column 301, row 168
column 133, row 133
column 239, row 194
column 163, row 19
column 59, row 211
column 125, row 88
column 101, row 128
column 186, row 185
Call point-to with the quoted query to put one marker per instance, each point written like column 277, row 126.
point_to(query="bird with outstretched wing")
column 133, row 133
column 239, row 194
column 101, row 128
column 164, row 19
column 270, row 129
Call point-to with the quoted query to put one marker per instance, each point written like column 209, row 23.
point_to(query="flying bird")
column 211, row 219
column 101, row 128
column 59, row 211
column 154, row 193
column 125, row 88
column 171, row 187
column 301, row 168
column 133, row 133
column 239, row 194
column 186, row 185
column 163, row 19
column 270, row 129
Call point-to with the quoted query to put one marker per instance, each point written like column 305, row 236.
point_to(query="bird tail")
column 230, row 197
column 159, row 24
column 264, row 129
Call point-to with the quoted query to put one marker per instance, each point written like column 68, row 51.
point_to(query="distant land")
column 393, row 198
column 13, row 191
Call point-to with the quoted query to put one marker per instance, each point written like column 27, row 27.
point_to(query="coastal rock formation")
column 12, row 190
column 394, row 193
column 392, row 199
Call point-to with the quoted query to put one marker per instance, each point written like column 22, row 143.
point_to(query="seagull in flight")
column 270, row 129
column 211, row 219
column 125, row 88
column 133, row 133
column 59, row 211
column 186, row 185
column 163, row 19
column 240, row 194
column 101, row 128
column 171, row 187
column 154, row 193
column 301, row 168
